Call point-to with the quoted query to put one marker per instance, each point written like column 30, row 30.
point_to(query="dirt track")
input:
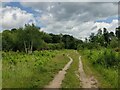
column 85, row 81
column 57, row 81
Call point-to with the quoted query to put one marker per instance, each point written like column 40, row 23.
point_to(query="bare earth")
column 85, row 81
column 57, row 81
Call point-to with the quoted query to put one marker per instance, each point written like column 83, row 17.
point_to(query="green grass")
column 21, row 70
column 107, row 77
column 71, row 80
column 0, row 71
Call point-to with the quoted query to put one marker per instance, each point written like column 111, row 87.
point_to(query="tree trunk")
column 30, row 48
column 25, row 47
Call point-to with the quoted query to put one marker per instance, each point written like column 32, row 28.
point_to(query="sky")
column 79, row 19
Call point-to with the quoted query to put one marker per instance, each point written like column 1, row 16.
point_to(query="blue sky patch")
column 108, row 20
column 17, row 4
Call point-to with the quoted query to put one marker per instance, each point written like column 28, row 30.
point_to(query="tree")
column 99, row 32
column 7, row 40
column 55, row 38
column 47, row 38
column 113, row 42
column 32, row 38
column 111, row 34
column 106, row 37
column 92, row 37
column 69, row 41
column 118, row 32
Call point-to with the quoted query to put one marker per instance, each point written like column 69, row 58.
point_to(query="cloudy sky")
column 79, row 19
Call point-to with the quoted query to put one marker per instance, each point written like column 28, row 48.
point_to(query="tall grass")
column 105, row 62
column 22, row 70
column 108, row 58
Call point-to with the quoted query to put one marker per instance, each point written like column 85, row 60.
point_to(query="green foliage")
column 30, row 38
column 104, row 64
column 103, row 39
column 55, row 46
column 70, row 42
column 108, row 58
column 21, row 70
column 113, row 43
column 19, row 39
column 118, row 32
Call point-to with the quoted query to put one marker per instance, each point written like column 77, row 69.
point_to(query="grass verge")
column 107, row 77
column 71, row 80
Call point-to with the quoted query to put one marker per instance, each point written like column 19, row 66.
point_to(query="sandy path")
column 85, row 81
column 57, row 81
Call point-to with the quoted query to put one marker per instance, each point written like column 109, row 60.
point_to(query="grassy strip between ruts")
column 71, row 80
column 25, row 73
column 102, row 74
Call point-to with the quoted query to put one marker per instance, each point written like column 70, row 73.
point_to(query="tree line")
column 30, row 38
column 103, row 39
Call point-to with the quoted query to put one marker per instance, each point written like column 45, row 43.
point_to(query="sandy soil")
column 57, row 81
column 85, row 81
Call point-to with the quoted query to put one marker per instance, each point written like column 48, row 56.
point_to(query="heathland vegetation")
column 31, row 57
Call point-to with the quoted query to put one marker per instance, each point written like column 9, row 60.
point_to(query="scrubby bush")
column 107, row 58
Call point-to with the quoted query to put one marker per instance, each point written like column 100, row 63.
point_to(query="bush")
column 107, row 58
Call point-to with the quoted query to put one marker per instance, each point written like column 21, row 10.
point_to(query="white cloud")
column 0, row 17
column 69, row 10
column 79, row 30
column 76, row 19
column 110, row 26
column 13, row 17
column 62, row 0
